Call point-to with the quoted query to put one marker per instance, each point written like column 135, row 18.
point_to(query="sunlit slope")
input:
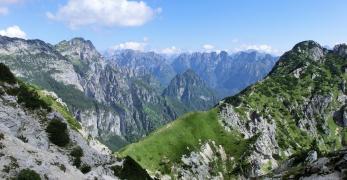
column 182, row 136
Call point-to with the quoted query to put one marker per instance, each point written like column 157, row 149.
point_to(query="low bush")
column 6, row 75
column 28, row 174
column 58, row 133
column 77, row 153
column 85, row 168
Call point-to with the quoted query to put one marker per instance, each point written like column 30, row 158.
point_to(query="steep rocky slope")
column 40, row 139
column 296, row 112
column 131, row 96
column 191, row 90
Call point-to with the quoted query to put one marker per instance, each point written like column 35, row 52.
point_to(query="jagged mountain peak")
column 17, row 45
column 308, row 44
column 79, row 49
column 189, row 77
column 190, row 89
column 191, row 72
column 78, row 41
column 300, row 56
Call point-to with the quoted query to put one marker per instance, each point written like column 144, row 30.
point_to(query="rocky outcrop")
column 341, row 50
column 331, row 166
column 200, row 164
column 265, row 145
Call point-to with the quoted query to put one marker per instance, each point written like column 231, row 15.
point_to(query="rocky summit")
column 290, row 125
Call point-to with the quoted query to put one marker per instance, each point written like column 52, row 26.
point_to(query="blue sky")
column 179, row 25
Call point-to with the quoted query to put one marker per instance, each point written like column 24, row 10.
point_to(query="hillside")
column 276, row 124
column 40, row 139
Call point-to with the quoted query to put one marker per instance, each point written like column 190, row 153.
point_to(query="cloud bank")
column 109, row 13
column 13, row 31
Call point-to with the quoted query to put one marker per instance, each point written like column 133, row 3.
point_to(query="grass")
column 181, row 137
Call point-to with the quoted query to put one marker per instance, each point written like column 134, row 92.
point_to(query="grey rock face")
column 25, row 144
column 312, row 156
column 200, row 163
column 32, row 59
column 125, row 91
column 314, row 50
column 265, row 146
column 340, row 116
column 331, row 167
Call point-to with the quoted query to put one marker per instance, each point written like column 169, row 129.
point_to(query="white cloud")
column 78, row 13
column 170, row 50
column 3, row 11
column 13, row 31
column 261, row 48
column 208, row 47
column 138, row 46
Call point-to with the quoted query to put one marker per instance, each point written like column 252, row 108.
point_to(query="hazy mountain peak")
column 341, row 49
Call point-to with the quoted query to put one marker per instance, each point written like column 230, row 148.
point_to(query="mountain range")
column 290, row 125
column 120, row 98
column 62, row 104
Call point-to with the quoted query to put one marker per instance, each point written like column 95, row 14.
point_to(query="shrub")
column 28, row 174
column 6, row 75
column 24, row 139
column 130, row 170
column 2, row 136
column 85, row 168
column 58, row 133
column 77, row 153
column 77, row 162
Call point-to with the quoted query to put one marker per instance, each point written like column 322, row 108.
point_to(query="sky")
column 173, row 26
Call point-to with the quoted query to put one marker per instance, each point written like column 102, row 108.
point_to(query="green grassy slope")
column 181, row 137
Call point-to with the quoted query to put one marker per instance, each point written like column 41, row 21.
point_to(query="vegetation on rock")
column 28, row 174
column 6, row 75
column 58, row 133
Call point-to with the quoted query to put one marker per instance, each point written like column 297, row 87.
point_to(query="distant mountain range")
column 225, row 73
column 124, row 96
